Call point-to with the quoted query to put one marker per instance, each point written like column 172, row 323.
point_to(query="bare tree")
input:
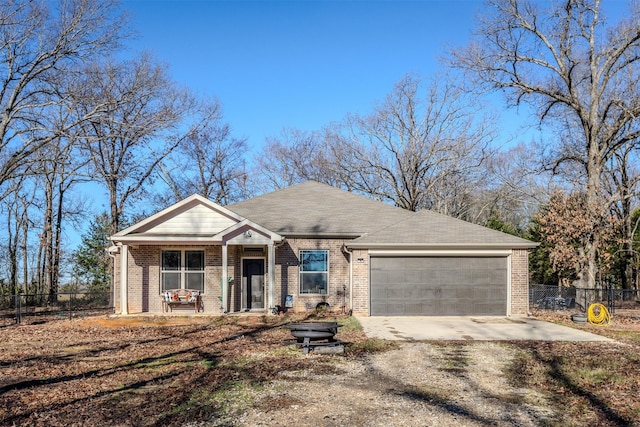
column 423, row 147
column 146, row 117
column 577, row 74
column 516, row 187
column 296, row 156
column 211, row 163
column 622, row 176
column 38, row 44
column 16, row 208
column 58, row 171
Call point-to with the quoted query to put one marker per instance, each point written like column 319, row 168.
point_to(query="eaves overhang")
column 441, row 246
column 165, row 240
column 322, row 235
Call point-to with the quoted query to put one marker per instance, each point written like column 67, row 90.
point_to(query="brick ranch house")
column 315, row 243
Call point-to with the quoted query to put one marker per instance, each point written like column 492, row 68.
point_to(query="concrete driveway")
column 420, row 328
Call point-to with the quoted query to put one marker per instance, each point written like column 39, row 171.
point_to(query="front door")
column 253, row 284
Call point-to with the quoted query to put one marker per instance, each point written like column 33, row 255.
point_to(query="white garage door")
column 438, row 286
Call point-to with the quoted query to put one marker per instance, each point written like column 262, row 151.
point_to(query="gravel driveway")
column 418, row 384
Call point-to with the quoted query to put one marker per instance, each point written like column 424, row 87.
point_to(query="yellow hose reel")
column 598, row 315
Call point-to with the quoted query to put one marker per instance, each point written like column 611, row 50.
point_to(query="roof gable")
column 247, row 233
column 193, row 216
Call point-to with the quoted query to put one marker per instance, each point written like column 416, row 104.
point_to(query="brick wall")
column 144, row 294
column 288, row 274
column 361, row 282
column 116, row 284
column 144, row 278
column 519, row 282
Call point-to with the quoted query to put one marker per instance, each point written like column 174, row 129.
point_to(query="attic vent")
column 254, row 249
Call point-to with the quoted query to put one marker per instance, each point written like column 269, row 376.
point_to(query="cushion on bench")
column 174, row 297
column 181, row 295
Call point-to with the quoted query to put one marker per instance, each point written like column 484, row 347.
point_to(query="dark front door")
column 253, row 283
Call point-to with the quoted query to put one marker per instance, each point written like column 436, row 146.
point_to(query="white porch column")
column 272, row 275
column 124, row 279
column 224, row 279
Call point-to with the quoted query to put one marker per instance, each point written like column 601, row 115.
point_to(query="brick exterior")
column 360, row 282
column 288, row 274
column 145, row 295
column 519, row 282
column 145, row 262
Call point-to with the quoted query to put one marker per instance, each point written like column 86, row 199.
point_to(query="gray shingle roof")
column 312, row 208
column 430, row 229
column 315, row 208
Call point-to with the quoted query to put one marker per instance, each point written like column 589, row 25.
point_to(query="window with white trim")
column 314, row 271
column 182, row 269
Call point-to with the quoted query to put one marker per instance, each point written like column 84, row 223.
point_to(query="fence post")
column 611, row 299
column 18, row 304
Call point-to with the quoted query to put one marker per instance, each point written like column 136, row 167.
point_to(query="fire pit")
column 310, row 334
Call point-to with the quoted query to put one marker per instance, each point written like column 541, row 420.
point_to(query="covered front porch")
column 227, row 260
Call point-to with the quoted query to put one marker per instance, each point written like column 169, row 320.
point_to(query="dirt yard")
column 238, row 371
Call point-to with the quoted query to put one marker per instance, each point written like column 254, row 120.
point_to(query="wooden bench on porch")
column 182, row 297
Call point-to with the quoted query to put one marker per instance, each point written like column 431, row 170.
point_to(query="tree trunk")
column 25, row 255
column 595, row 205
column 627, row 254
column 55, row 277
column 12, row 244
column 47, row 242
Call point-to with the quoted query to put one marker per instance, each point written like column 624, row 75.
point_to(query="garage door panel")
column 378, row 298
column 427, row 276
column 394, row 276
column 413, row 309
column 449, row 293
column 412, row 276
column 428, row 293
column 396, row 308
column 499, row 275
column 378, row 307
column 465, row 276
column 395, row 293
column 480, row 278
column 438, row 285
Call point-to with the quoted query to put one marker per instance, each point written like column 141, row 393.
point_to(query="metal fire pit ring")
column 313, row 329
column 308, row 332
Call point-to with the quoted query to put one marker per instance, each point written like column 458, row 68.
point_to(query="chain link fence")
column 545, row 297
column 20, row 307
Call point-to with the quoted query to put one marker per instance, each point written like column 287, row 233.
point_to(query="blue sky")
column 301, row 64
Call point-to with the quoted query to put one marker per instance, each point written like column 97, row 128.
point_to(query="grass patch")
column 595, row 376
column 349, row 324
column 630, row 337
column 372, row 346
column 233, row 397
column 580, row 379
column 285, row 351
